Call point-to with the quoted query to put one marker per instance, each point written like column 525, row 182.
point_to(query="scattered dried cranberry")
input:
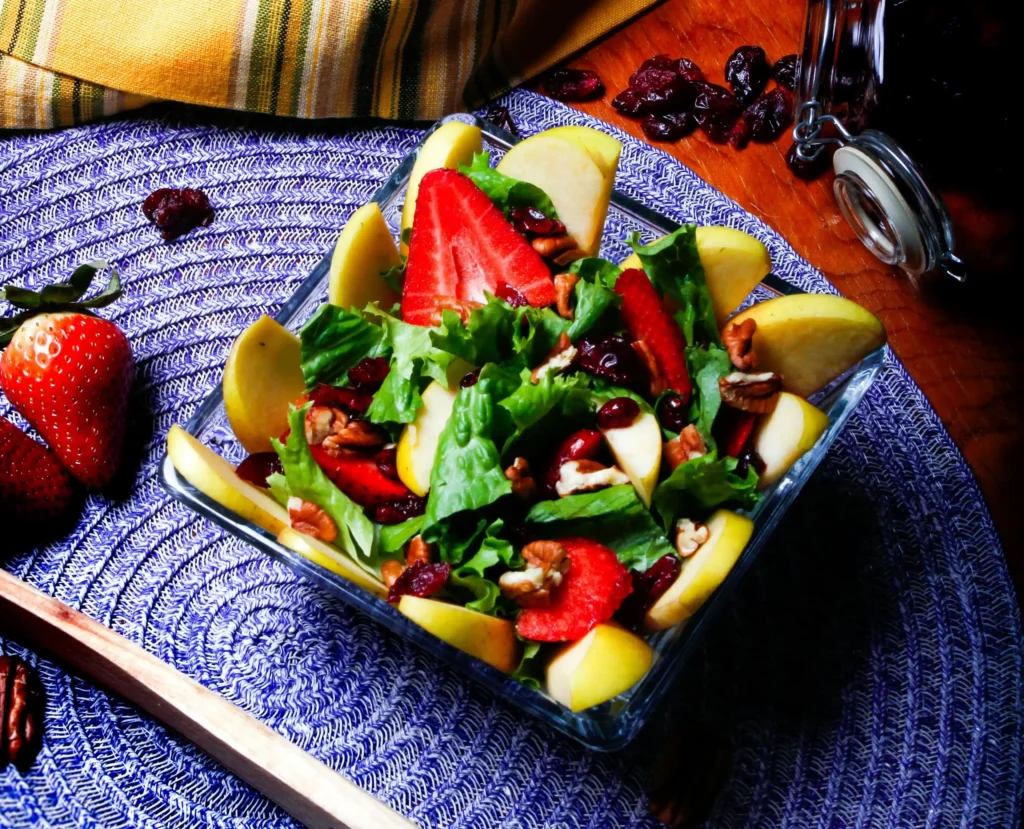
column 748, row 457
column 808, row 169
column 574, row 85
column 256, row 468
column 628, row 103
column 584, row 444
column 739, row 135
column 784, row 72
column 395, row 512
column 648, row 587
column 469, row 379
column 618, row 413
column 657, row 62
column 387, row 462
column 674, row 413
column 501, row 117
column 506, row 293
column 350, row 400
column 369, row 373
column 747, row 71
column 661, row 90
column 768, row 117
column 421, row 579
column 614, row 359
column 689, row 70
column 716, row 110
column 531, row 220
column 668, row 127
column 177, row 212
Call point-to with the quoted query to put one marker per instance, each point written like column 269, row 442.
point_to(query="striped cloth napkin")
column 67, row 61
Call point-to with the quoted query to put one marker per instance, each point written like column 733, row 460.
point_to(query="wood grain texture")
column 963, row 345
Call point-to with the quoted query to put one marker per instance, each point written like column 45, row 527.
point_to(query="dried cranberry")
column 177, row 212
column 402, row 509
column 421, row 579
column 768, row 117
column 747, row 71
column 668, row 127
column 369, row 373
column 585, row 444
column 350, row 400
column 387, row 462
column 628, row 103
column 663, row 91
column 614, row 359
column 501, row 117
column 256, row 468
column 689, row 70
column 748, row 457
column 648, row 587
column 784, row 72
column 657, row 62
column 716, row 110
column 739, row 135
column 808, row 168
column 469, row 379
column 531, row 220
column 506, row 293
column 574, row 85
column 618, row 413
column 674, row 413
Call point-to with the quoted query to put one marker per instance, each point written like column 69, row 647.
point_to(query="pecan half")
column 462, row 307
column 690, row 536
column 756, row 393
column 551, row 246
column 390, row 570
column 565, row 284
column 356, row 434
column 686, row 446
column 310, row 519
column 738, row 338
column 547, row 563
column 560, row 358
column 22, row 705
column 654, row 372
column 569, row 257
column 587, row 476
column 420, row 550
column 523, row 485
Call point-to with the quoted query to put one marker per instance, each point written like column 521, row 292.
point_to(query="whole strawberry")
column 35, row 489
column 69, row 372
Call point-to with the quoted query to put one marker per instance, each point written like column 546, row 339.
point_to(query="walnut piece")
column 565, row 284
column 462, row 307
column 757, row 393
column 686, row 446
column 738, row 339
column 323, row 421
column 310, row 519
column 551, row 246
column 390, row 570
column 690, row 536
column 21, row 713
column 654, row 372
column 419, row 550
column 560, row 358
column 587, row 476
column 523, row 485
column 356, row 434
column 547, row 562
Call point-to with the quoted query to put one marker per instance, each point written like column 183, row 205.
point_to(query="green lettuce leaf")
column 706, row 367
column 393, row 537
column 278, row 485
column 594, row 293
column 585, row 505
column 531, row 666
column 506, row 192
column 566, row 394
column 699, row 486
column 595, row 269
column 535, row 338
column 306, row 480
column 333, row 341
column 485, row 338
column 471, row 576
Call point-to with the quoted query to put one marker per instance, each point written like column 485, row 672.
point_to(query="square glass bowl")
column 613, row 724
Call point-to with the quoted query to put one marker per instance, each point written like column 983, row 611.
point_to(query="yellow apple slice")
column 572, row 180
column 810, row 339
column 702, row 572
column 364, row 250
column 449, row 146
column 782, row 437
column 486, row 637
column 598, row 667
column 637, row 451
column 215, row 477
column 734, row 263
column 417, row 446
column 262, row 376
column 330, row 558
column 601, row 147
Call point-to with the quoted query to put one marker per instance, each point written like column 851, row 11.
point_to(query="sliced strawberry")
column 732, row 431
column 647, row 320
column 590, row 593
column 34, row 488
column 360, row 478
column 462, row 246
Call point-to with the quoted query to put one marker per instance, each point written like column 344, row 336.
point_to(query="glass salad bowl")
column 609, row 725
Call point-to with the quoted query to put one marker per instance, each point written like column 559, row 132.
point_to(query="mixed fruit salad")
column 539, row 455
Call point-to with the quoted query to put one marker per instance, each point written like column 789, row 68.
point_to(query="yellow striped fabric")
column 67, row 61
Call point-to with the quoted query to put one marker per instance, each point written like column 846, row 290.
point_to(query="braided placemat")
column 868, row 674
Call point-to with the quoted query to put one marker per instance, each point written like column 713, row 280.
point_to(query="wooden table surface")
column 962, row 344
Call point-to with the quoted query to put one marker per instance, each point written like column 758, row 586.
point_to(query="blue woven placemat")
column 869, row 674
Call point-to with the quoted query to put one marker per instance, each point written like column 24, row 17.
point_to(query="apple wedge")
column 448, row 146
column 810, row 339
column 486, row 637
column 417, row 446
column 263, row 374
column 570, row 177
column 215, row 477
column 734, row 263
column 782, row 437
column 702, row 572
column 363, row 252
column 598, row 667
column 601, row 147
column 637, row 451
column 330, row 558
